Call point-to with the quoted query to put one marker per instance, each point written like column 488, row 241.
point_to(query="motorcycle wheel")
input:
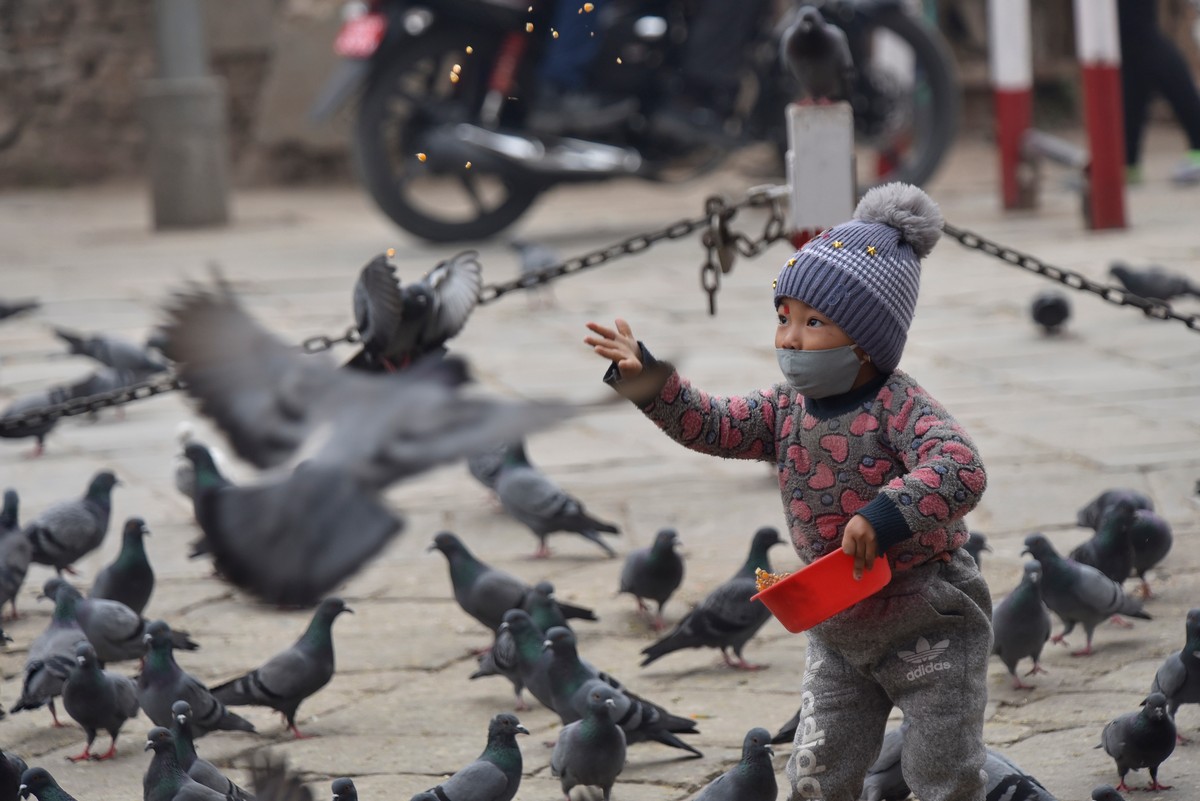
column 436, row 198
column 923, row 125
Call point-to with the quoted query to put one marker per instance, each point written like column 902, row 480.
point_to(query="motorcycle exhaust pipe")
column 564, row 157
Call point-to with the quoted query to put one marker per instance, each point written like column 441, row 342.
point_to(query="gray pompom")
column 907, row 209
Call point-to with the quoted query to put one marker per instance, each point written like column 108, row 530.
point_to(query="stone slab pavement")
column 1113, row 402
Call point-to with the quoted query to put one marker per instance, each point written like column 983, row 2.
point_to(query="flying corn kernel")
column 470, row 50
column 468, row 165
column 588, row 8
column 554, row 33
column 456, row 68
column 454, row 77
column 763, row 579
column 421, row 157
column 528, row 27
column 618, row 59
column 391, row 252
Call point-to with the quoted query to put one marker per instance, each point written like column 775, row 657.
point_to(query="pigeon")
column 1005, row 780
column 535, row 260
column 272, row 781
column 166, row 780
column 496, row 774
column 484, row 592
column 1089, row 515
column 15, row 552
column 726, row 618
column 1106, row 792
column 1021, row 625
column 292, row 675
column 503, row 659
column 571, row 679
column 129, row 579
column 51, row 658
column 97, row 699
column 1110, row 549
column 1151, row 537
column 752, row 779
column 11, row 308
column 818, row 56
column 547, row 611
column 207, row 482
column 399, row 325
column 1178, row 679
column 11, row 769
column 69, row 530
column 527, row 661
column 344, row 790
column 26, row 404
column 185, row 471
column 485, row 467
column 1078, row 593
column 162, row 682
column 1050, row 310
column 531, row 498
column 111, row 351
column 975, row 545
column 114, row 630
column 199, row 769
column 1142, row 739
column 1153, row 282
column 41, row 784
column 591, row 751
column 654, row 573
column 295, row 536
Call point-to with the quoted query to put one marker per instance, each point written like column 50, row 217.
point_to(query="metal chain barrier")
column 1151, row 307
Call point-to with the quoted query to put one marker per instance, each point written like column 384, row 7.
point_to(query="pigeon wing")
column 480, row 780
column 378, row 304
column 456, row 284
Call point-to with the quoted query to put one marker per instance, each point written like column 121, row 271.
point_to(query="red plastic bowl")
column 820, row 590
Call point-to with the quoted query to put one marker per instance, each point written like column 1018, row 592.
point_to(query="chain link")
column 1151, row 307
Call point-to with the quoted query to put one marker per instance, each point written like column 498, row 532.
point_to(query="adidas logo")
column 923, row 656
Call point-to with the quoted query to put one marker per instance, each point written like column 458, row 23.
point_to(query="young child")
column 869, row 462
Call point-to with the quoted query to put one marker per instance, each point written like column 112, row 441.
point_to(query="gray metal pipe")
column 179, row 39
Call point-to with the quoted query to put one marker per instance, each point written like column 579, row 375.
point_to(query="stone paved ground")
column 1112, row 403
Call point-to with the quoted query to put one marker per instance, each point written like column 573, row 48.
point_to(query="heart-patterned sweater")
column 886, row 450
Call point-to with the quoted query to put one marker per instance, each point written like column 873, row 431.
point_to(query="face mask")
column 819, row 373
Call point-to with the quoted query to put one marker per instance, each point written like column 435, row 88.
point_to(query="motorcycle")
column 445, row 88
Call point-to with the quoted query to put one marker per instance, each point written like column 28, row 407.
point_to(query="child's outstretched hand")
column 858, row 540
column 619, row 346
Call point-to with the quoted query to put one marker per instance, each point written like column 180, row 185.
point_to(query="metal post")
column 1010, row 60
column 186, row 131
column 1098, row 45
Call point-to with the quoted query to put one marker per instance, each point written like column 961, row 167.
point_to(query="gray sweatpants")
column 922, row 644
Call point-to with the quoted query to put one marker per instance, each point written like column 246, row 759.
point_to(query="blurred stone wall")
column 71, row 70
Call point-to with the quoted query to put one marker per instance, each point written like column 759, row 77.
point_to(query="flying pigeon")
column 752, row 779
column 484, row 592
column 129, row 579
column 1142, row 739
column 292, row 675
column 15, row 552
column 42, row 785
column 1021, row 625
column 11, row 308
column 975, row 545
column 653, row 573
column 531, row 498
column 111, row 351
column 496, row 774
column 726, row 618
column 11, row 769
column 1089, row 516
column 165, row 779
column 162, row 682
column 344, row 789
column 294, row 537
column 50, row 660
column 33, row 402
column 97, row 699
column 1178, row 679
column 114, row 630
column 199, row 769
column 69, row 530
column 1152, row 539
column 1078, row 593
column 1050, row 310
column 590, row 752
column 1110, row 549
column 1152, row 282
column 818, row 56
column 400, row 324
column 502, row 659
column 571, row 680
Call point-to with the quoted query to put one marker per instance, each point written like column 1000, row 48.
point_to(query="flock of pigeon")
column 337, row 436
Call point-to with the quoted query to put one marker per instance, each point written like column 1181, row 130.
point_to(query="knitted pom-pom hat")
column 864, row 274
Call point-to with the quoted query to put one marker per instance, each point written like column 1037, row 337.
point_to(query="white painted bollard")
column 1098, row 47
column 820, row 165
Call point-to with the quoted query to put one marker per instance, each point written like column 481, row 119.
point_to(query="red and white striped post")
column 1098, row 46
column 1010, row 57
